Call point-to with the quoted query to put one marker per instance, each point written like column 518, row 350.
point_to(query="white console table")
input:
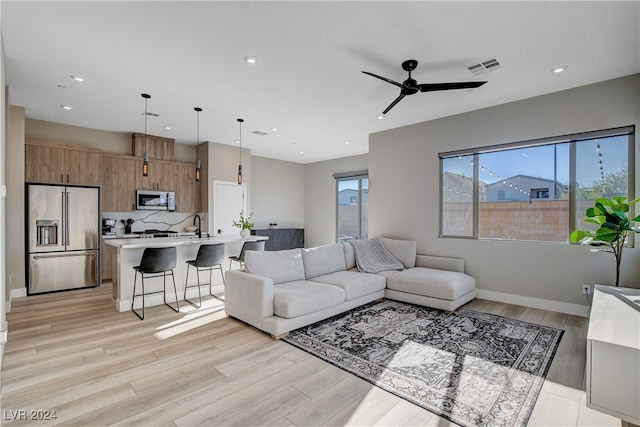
column 613, row 355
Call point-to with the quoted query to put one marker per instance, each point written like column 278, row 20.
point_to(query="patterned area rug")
column 475, row 369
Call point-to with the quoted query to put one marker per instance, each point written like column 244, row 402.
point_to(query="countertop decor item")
column 244, row 224
column 612, row 217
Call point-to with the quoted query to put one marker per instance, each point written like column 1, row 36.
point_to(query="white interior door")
column 228, row 200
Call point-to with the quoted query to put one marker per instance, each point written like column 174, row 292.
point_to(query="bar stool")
column 249, row 245
column 156, row 262
column 208, row 258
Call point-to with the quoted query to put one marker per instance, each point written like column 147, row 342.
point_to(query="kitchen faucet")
column 197, row 217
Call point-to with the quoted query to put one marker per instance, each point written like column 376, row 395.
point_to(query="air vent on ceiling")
column 484, row 67
column 259, row 132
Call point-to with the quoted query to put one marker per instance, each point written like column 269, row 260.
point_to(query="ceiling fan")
column 410, row 86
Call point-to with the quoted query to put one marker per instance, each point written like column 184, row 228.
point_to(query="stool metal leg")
column 164, row 294
column 133, row 299
column 186, row 285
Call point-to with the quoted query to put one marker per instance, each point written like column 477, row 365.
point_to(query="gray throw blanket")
column 373, row 257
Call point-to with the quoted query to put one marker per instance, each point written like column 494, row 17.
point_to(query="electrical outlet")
column 586, row 289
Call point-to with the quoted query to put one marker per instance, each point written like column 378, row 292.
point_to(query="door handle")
column 66, row 226
column 90, row 254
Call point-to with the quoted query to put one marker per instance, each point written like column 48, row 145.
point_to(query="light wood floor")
column 74, row 354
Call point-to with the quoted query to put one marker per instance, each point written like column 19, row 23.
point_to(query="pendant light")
column 240, row 164
column 145, row 156
column 198, row 109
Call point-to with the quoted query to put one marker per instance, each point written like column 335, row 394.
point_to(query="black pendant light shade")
column 198, row 109
column 145, row 157
column 240, row 164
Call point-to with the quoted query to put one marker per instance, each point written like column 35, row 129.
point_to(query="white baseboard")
column 18, row 293
column 543, row 304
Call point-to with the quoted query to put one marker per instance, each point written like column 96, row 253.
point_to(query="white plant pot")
column 244, row 233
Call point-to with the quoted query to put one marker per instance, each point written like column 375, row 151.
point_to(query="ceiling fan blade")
column 432, row 87
column 383, row 78
column 395, row 101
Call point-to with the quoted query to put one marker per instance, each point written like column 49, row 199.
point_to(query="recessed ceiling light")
column 560, row 69
column 167, row 127
column 301, row 152
column 380, row 117
column 274, row 129
column 250, row 59
column 347, row 142
column 77, row 78
column 237, row 141
column 66, row 107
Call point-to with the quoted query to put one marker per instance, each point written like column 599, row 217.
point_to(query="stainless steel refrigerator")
column 63, row 237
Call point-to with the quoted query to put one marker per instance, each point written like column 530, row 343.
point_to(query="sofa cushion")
column 279, row 266
column 403, row 250
column 300, row 297
column 349, row 255
column 323, row 260
column 354, row 283
column 447, row 285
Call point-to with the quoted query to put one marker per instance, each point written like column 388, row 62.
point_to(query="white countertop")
column 191, row 239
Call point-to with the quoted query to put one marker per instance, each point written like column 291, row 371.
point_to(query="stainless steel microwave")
column 155, row 200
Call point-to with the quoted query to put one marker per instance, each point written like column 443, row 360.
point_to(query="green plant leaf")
column 607, row 235
column 578, row 235
column 607, row 202
column 597, row 220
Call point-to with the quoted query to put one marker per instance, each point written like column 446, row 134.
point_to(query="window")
column 540, row 193
column 352, row 201
column 533, row 190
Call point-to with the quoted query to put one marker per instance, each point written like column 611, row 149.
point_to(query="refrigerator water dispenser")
column 46, row 232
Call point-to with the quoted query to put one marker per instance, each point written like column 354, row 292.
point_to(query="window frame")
column 572, row 140
column 349, row 176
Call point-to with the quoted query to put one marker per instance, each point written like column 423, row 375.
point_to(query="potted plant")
column 244, row 224
column 611, row 215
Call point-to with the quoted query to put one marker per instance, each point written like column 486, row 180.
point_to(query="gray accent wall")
column 404, row 196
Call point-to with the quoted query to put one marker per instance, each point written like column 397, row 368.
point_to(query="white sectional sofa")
column 279, row 291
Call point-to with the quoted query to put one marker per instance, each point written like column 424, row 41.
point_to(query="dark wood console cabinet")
column 281, row 238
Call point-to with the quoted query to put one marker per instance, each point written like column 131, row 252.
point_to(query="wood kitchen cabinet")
column 118, row 183
column 55, row 164
column 188, row 198
column 161, row 176
column 157, row 147
column 107, row 256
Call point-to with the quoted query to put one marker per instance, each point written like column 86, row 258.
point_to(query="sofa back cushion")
column 279, row 266
column 349, row 255
column 323, row 260
column 403, row 250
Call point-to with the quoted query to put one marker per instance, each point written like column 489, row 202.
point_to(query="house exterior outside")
column 524, row 188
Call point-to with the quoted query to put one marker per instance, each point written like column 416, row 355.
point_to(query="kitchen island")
column 129, row 252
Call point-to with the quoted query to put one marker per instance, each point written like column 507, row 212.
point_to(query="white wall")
column 404, row 197
column 277, row 193
column 320, row 197
column 4, row 295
